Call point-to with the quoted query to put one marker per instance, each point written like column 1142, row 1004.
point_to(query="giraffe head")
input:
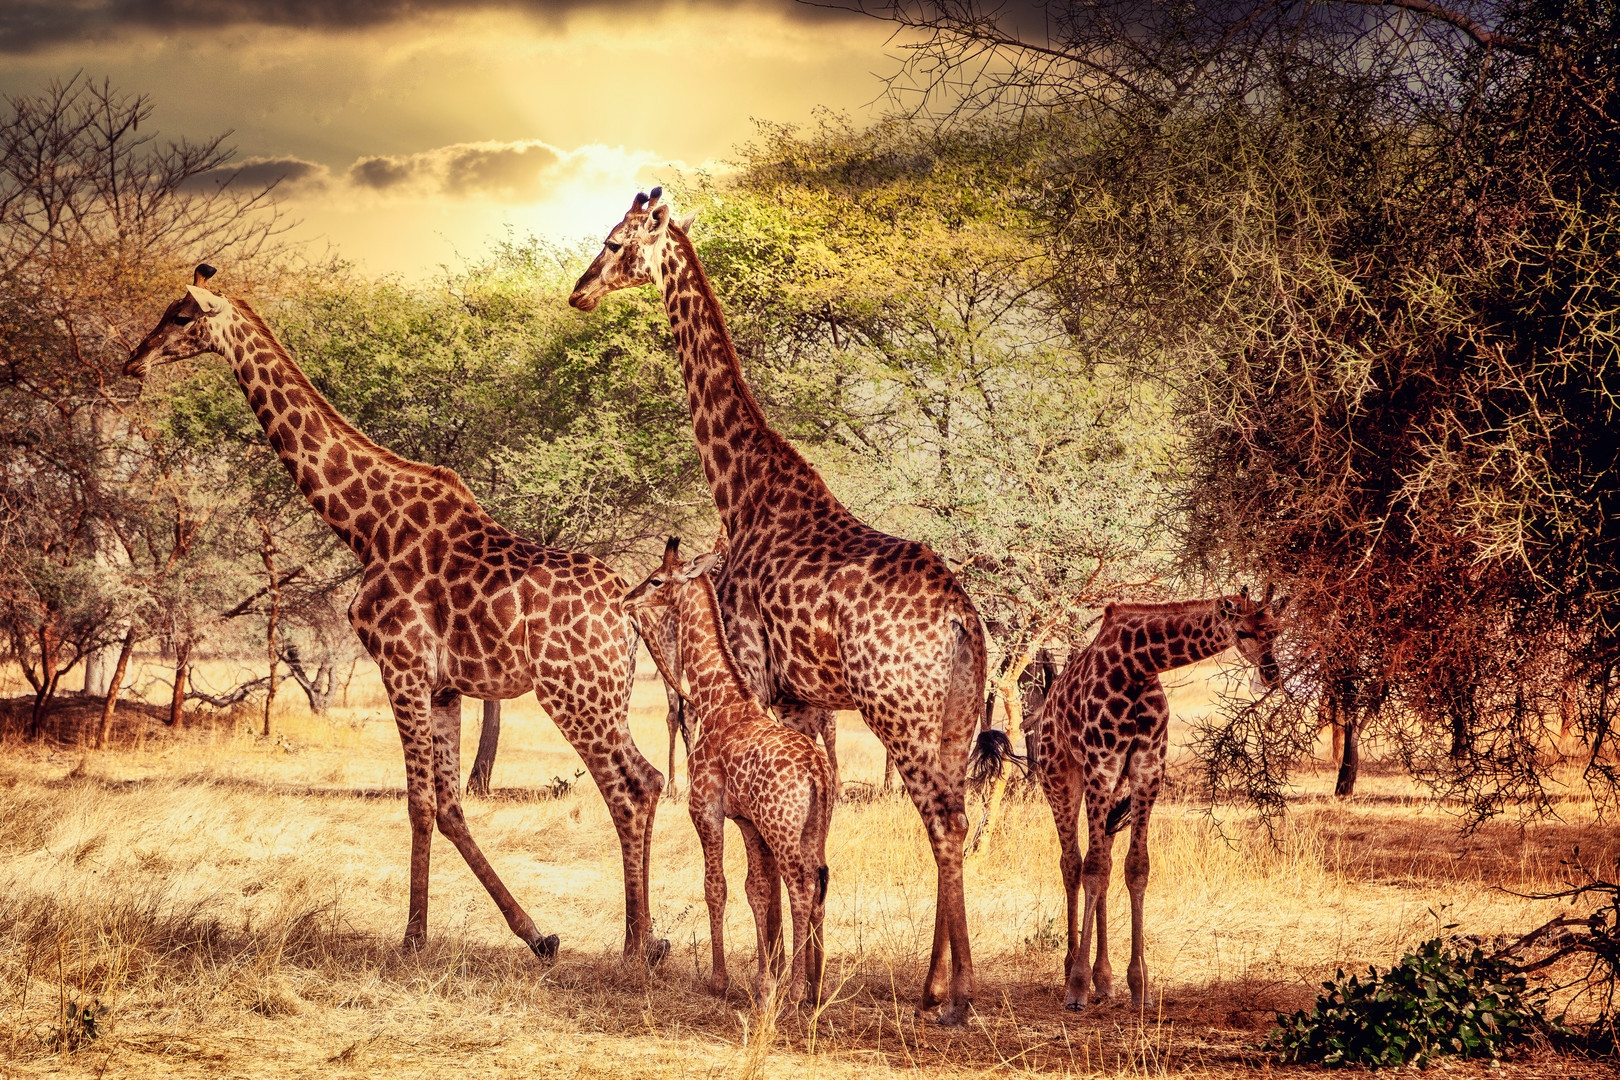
column 1253, row 627
column 653, row 601
column 632, row 253
column 187, row 328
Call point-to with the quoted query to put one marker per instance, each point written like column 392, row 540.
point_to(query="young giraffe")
column 822, row 611
column 449, row 603
column 1103, row 728
column 774, row 782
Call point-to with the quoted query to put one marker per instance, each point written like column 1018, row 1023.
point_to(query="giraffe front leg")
column 811, row 720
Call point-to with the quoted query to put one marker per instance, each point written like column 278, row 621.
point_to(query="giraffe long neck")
column 350, row 481
column 711, row 670
column 737, row 446
column 1156, row 641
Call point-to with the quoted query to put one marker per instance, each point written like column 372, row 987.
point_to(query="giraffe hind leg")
column 452, row 822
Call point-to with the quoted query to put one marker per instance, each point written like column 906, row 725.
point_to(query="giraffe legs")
column 1060, row 781
column 764, row 896
column 630, row 787
column 431, row 735
column 676, row 720
column 452, row 823
column 708, row 817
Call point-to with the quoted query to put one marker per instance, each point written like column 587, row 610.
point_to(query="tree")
column 95, row 219
column 1372, row 247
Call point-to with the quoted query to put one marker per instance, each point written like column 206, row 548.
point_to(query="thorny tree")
column 1373, row 245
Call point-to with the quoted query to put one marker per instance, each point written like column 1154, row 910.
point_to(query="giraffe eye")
column 182, row 320
column 612, row 246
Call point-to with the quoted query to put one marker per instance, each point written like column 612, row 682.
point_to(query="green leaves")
column 1439, row 1001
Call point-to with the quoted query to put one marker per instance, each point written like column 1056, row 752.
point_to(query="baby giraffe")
column 774, row 782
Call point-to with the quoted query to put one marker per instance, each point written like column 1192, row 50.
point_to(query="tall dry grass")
column 216, row 902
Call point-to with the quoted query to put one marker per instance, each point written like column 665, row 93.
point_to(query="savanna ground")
column 229, row 905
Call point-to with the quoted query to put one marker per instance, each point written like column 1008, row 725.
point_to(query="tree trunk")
column 182, row 670
column 1351, row 762
column 268, row 552
column 104, row 732
column 45, row 689
column 488, row 739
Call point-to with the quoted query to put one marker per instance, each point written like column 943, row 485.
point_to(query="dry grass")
column 226, row 904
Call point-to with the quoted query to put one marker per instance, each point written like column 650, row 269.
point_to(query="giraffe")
column 449, row 603
column 774, row 782
column 822, row 611
column 1101, row 735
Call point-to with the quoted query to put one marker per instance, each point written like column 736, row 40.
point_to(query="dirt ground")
column 212, row 902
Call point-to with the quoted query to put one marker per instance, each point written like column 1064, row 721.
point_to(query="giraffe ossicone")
column 449, row 603
column 822, row 611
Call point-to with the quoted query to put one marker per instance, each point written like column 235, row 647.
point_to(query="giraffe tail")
column 991, row 752
column 1119, row 815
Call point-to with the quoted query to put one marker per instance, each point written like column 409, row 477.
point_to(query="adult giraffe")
column 450, row 603
column 822, row 611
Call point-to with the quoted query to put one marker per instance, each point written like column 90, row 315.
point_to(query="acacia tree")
column 1372, row 245
column 96, row 217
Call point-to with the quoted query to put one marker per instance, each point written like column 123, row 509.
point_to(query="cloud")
column 289, row 176
column 507, row 172
column 29, row 25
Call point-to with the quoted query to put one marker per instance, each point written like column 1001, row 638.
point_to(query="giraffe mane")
column 335, row 419
column 1164, row 607
column 729, row 351
column 727, row 657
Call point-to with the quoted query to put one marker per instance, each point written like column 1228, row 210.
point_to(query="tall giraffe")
column 771, row 780
column 450, row 603
column 822, row 611
column 1104, row 727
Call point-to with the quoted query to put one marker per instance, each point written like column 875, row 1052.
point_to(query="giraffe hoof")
column 546, row 947
column 656, row 951
column 955, row 1014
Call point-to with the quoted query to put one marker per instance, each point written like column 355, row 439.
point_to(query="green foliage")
column 1439, row 1001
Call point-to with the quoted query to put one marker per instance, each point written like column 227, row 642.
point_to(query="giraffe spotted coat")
column 822, row 611
column 774, row 782
column 1101, row 737
column 449, row 603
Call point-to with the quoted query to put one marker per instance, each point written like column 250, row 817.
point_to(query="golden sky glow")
column 410, row 143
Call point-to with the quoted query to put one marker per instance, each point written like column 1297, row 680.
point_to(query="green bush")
column 1440, row 1001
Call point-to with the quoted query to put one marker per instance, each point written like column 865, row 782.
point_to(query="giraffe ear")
column 211, row 303
column 701, row 565
column 1278, row 604
column 686, row 223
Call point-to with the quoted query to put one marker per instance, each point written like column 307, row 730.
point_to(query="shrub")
column 1439, row 1001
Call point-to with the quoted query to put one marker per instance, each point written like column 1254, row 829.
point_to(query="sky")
column 411, row 134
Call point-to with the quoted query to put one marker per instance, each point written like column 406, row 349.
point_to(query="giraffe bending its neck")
column 771, row 780
column 822, row 611
column 1101, row 736
column 450, row 603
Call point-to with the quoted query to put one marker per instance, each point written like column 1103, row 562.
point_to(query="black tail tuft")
column 821, row 885
column 1119, row 816
column 991, row 752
